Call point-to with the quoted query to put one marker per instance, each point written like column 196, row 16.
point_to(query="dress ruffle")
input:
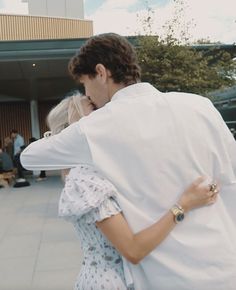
column 106, row 209
column 86, row 190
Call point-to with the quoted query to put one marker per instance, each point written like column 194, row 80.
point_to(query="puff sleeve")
column 89, row 195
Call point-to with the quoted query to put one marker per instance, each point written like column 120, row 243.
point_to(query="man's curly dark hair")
column 114, row 52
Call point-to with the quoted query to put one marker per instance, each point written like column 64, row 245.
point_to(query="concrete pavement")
column 38, row 250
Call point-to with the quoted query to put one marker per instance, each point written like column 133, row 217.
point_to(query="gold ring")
column 213, row 187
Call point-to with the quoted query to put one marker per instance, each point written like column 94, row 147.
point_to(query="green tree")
column 171, row 64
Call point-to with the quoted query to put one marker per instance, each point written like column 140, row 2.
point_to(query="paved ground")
column 38, row 251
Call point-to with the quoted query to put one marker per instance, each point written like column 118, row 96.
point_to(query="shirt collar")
column 133, row 90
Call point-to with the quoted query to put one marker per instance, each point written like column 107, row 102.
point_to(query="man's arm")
column 64, row 150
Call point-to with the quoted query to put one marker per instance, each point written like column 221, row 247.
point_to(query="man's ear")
column 102, row 73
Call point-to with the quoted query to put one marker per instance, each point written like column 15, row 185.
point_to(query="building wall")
column 19, row 118
column 15, row 116
column 44, row 108
column 24, row 27
column 59, row 8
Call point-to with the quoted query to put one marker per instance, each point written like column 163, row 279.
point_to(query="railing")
column 230, row 122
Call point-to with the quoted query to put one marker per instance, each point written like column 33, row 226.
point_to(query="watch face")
column 179, row 217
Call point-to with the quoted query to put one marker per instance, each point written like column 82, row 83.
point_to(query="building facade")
column 27, row 27
column 56, row 8
column 34, row 54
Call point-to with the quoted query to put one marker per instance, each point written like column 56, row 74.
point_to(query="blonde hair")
column 58, row 118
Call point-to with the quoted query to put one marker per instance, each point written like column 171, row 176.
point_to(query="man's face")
column 95, row 89
column 13, row 135
column 87, row 106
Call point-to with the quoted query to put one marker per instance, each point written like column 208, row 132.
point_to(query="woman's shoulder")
column 88, row 176
column 85, row 189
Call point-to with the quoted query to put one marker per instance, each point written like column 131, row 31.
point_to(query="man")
column 151, row 145
column 6, row 167
column 18, row 147
column 18, row 141
column 6, row 164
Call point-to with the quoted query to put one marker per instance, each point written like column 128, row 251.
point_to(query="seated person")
column 18, row 165
column 20, row 181
column 6, row 164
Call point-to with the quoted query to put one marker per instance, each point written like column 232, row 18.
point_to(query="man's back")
column 151, row 146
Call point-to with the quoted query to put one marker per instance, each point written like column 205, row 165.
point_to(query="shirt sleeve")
column 64, row 150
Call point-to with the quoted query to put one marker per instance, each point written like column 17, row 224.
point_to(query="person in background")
column 18, row 141
column 42, row 176
column 18, row 147
column 8, row 147
column 6, row 164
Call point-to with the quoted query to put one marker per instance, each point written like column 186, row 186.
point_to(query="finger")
column 212, row 193
column 200, row 180
column 218, row 188
column 213, row 198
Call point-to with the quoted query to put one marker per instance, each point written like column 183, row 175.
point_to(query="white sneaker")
column 20, row 180
column 41, row 178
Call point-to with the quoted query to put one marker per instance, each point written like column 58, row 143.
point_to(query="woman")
column 89, row 201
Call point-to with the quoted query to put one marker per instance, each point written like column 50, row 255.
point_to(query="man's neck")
column 114, row 88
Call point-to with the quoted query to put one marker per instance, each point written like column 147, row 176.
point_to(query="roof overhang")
column 36, row 69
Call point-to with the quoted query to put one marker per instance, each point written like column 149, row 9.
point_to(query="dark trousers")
column 19, row 167
column 42, row 174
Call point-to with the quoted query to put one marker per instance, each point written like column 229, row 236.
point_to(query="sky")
column 211, row 19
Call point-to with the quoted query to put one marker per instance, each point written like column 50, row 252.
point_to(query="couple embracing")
column 153, row 177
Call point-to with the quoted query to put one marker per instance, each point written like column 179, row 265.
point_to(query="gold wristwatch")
column 178, row 213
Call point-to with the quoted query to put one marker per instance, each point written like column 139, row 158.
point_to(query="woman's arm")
column 134, row 247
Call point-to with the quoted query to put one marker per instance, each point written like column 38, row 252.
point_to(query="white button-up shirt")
column 18, row 143
column 151, row 146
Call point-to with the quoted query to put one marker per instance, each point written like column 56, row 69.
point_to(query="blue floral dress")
column 87, row 198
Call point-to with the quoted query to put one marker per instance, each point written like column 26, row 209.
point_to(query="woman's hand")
column 198, row 194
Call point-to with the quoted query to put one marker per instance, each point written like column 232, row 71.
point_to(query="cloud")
column 109, row 18
column 13, row 7
column 118, row 4
column 214, row 19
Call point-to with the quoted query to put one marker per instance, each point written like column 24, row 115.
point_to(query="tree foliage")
column 171, row 64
